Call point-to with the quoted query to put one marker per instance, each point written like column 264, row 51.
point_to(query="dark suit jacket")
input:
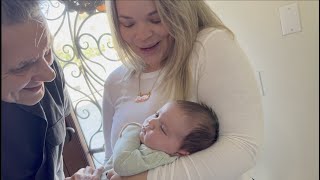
column 32, row 137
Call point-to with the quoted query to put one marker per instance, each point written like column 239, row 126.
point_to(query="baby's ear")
column 182, row 153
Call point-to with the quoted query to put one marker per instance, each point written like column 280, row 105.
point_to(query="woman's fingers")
column 98, row 172
column 88, row 170
column 87, row 173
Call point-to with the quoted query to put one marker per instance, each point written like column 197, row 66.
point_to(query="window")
column 82, row 45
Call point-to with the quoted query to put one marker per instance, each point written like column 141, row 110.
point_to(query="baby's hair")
column 206, row 130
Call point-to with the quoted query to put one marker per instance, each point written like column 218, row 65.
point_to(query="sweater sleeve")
column 227, row 84
column 130, row 157
column 107, row 113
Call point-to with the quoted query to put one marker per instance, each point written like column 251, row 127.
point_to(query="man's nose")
column 44, row 72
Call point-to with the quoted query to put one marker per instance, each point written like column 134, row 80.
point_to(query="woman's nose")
column 143, row 32
column 44, row 72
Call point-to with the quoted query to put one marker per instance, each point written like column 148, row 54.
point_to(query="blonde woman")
column 180, row 50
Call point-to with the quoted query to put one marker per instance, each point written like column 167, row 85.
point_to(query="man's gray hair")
column 19, row 11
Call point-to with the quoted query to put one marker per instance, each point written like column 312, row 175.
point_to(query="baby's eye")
column 162, row 129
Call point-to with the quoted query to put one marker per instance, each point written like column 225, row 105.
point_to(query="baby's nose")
column 152, row 124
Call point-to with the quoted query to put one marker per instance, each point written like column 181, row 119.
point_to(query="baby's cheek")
column 141, row 137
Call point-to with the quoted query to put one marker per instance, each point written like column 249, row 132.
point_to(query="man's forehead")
column 32, row 31
column 24, row 41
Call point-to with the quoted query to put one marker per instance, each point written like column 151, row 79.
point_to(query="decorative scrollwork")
column 85, row 53
column 88, row 6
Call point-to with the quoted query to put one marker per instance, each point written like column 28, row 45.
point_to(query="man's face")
column 26, row 59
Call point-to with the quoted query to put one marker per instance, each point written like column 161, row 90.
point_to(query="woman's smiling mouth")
column 150, row 49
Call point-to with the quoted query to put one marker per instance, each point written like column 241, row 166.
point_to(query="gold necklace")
column 144, row 97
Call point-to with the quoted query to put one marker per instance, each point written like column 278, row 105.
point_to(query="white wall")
column 290, row 73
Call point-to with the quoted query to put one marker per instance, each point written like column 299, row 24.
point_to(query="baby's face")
column 166, row 129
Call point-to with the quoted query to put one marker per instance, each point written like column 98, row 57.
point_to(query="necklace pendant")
column 142, row 97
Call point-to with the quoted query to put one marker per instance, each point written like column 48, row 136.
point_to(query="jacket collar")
column 36, row 109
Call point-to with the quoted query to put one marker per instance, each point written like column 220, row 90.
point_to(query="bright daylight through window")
column 82, row 45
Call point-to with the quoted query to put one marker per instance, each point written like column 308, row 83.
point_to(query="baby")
column 179, row 128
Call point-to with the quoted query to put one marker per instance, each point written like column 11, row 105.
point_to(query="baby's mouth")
column 143, row 129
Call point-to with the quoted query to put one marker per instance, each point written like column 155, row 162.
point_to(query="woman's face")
column 141, row 27
column 26, row 61
column 166, row 130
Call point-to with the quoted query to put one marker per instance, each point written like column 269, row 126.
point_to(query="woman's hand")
column 88, row 173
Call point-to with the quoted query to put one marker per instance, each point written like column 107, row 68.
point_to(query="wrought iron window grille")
column 87, row 56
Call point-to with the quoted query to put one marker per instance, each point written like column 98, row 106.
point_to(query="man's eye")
column 19, row 70
column 16, row 71
column 23, row 67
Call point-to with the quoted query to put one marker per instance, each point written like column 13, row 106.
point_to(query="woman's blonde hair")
column 184, row 19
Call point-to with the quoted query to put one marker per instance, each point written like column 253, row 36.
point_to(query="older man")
column 34, row 101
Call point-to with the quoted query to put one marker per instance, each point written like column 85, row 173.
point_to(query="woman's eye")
column 127, row 25
column 156, row 21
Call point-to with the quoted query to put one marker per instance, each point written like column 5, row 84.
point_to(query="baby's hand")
column 111, row 173
column 116, row 177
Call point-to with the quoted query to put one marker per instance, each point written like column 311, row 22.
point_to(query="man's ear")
column 182, row 153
